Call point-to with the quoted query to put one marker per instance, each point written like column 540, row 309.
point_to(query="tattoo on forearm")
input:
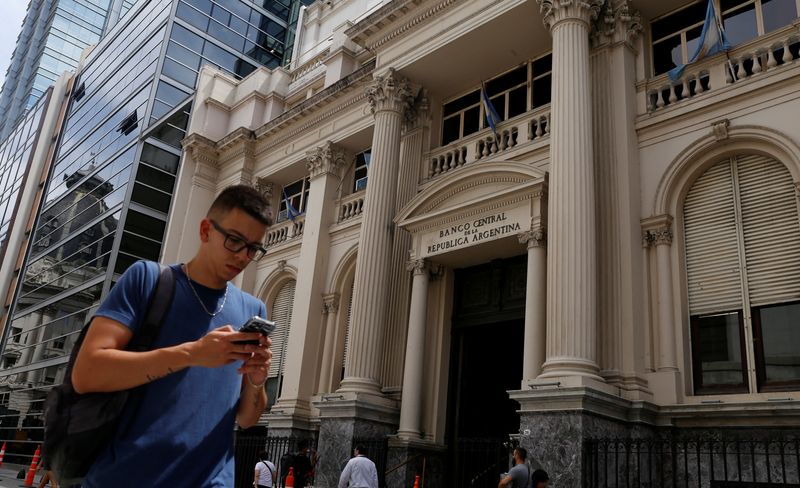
column 152, row 377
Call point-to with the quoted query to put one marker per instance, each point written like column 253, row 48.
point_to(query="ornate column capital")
column 426, row 267
column 328, row 159
column 556, row 11
column 617, row 24
column 533, row 238
column 418, row 112
column 265, row 187
column 657, row 231
column 390, row 92
column 330, row 303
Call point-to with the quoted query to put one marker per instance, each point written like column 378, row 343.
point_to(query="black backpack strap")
column 160, row 301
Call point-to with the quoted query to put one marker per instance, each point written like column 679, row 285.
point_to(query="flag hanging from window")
column 491, row 114
column 291, row 212
column 712, row 41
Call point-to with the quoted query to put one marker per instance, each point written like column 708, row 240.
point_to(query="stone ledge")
column 359, row 405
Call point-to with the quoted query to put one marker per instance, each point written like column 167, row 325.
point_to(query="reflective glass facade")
column 15, row 159
column 54, row 34
column 111, row 183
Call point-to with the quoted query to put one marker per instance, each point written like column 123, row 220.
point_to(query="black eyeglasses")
column 234, row 243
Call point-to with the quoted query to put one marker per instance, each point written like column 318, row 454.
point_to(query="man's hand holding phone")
column 257, row 366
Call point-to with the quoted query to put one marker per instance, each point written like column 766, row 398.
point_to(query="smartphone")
column 257, row 324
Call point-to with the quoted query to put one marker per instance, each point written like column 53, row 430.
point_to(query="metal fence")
column 696, row 463
column 377, row 450
column 248, row 446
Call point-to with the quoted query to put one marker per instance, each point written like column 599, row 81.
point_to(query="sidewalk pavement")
column 8, row 476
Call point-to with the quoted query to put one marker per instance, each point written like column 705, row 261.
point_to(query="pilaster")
column 412, row 144
column 330, row 310
column 309, row 312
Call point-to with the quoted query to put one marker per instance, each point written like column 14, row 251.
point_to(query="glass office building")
column 53, row 36
column 111, row 184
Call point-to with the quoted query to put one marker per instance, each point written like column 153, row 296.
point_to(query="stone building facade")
column 617, row 258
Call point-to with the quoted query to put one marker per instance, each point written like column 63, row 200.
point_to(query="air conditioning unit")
column 361, row 183
column 283, row 215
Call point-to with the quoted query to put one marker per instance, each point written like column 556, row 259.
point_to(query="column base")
column 409, row 458
column 568, row 366
column 345, row 416
column 360, row 385
column 290, row 418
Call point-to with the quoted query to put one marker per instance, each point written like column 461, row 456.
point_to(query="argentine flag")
column 291, row 212
column 712, row 41
column 491, row 114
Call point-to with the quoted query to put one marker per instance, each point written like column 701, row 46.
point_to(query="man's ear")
column 205, row 230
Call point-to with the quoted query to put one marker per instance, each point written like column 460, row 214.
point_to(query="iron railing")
column 377, row 451
column 691, row 462
column 248, row 446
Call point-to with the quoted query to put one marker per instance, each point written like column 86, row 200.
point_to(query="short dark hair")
column 263, row 456
column 539, row 475
column 522, row 452
column 361, row 449
column 303, row 444
column 245, row 198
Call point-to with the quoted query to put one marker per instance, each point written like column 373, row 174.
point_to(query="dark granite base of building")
column 407, row 459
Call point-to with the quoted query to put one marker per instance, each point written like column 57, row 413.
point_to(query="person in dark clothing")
column 303, row 467
column 539, row 479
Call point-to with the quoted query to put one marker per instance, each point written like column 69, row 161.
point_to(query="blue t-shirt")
column 181, row 434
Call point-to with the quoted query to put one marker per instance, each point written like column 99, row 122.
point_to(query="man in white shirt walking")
column 360, row 472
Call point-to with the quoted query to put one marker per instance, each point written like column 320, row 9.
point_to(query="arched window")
column 281, row 313
column 742, row 240
column 346, row 345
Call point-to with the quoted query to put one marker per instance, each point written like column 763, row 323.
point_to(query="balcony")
column 351, row 207
column 285, row 231
column 771, row 53
column 529, row 128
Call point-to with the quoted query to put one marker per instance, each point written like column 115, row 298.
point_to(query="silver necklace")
column 224, row 298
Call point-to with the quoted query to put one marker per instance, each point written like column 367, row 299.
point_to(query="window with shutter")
column 281, row 311
column 347, row 331
column 742, row 241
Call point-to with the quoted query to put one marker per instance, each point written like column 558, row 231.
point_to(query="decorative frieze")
column 328, row 159
column 555, row 11
column 390, row 92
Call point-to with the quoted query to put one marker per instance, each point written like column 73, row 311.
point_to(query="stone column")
column 389, row 97
column 325, row 165
column 411, row 407
column 535, row 304
column 330, row 308
column 572, row 263
column 412, row 145
column 661, row 238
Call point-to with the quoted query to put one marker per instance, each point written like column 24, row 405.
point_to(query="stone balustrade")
column 773, row 51
column 351, row 206
column 531, row 127
column 285, row 231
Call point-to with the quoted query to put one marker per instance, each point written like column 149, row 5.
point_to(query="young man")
column 199, row 381
column 360, row 471
column 520, row 474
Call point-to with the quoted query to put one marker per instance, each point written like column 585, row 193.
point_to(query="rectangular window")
column 297, row 195
column 509, row 96
column 360, row 173
column 718, row 361
column 776, row 338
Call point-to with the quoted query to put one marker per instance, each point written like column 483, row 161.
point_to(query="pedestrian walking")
column 264, row 472
column 520, row 475
column 199, row 378
column 360, row 471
